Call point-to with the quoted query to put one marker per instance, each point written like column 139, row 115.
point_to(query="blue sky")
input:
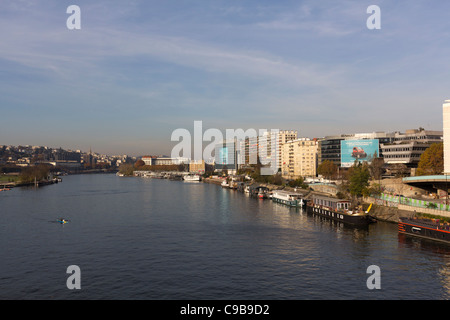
column 138, row 70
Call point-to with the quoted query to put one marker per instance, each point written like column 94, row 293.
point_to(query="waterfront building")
column 299, row 158
column 167, row 161
column 226, row 156
column 446, row 136
column 330, row 146
column 394, row 147
column 283, row 137
column 161, row 161
column 148, row 160
column 248, row 151
column 65, row 155
column 70, row 164
column 267, row 147
column 89, row 160
column 197, row 166
column 407, row 148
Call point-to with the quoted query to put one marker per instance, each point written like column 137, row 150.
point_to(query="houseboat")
column 291, row 199
column 338, row 210
column 433, row 229
column 259, row 192
column 241, row 186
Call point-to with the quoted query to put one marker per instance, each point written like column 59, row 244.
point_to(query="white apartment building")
column 272, row 154
column 159, row 161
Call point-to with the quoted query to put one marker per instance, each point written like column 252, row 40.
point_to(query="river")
column 152, row 239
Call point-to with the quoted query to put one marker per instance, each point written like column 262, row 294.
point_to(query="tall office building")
column 406, row 148
column 330, row 147
column 446, row 136
column 226, row 156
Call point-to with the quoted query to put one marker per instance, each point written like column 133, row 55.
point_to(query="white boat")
column 292, row 199
column 225, row 184
column 192, row 177
column 148, row 174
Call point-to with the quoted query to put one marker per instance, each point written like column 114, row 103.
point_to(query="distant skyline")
column 138, row 70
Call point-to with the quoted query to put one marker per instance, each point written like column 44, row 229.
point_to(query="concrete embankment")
column 388, row 214
column 212, row 180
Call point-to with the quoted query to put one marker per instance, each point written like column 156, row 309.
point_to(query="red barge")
column 433, row 229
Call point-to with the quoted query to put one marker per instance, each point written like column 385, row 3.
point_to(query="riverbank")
column 37, row 183
column 379, row 212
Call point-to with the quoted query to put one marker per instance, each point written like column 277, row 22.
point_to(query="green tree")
column 299, row 182
column 359, row 176
column 432, row 160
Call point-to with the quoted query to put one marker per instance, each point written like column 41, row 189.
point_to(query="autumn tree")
column 328, row 169
column 432, row 160
column 38, row 173
column 376, row 166
column 126, row 169
column 139, row 163
column 398, row 169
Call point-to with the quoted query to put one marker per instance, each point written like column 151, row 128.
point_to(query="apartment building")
column 299, row 158
column 260, row 147
column 198, row 166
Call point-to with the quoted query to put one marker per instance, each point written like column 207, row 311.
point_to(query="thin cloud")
column 63, row 52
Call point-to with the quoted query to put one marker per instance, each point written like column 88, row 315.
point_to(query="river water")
column 137, row 238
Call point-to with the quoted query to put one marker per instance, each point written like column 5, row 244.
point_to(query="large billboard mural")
column 360, row 150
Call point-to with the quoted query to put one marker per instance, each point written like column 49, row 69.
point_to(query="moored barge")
column 291, row 199
column 338, row 210
column 258, row 191
column 433, row 229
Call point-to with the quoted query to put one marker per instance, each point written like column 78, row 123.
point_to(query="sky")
column 138, row 70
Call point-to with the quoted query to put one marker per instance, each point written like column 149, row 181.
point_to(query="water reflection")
column 407, row 241
column 201, row 241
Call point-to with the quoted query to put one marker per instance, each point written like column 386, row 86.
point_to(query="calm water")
column 137, row 238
